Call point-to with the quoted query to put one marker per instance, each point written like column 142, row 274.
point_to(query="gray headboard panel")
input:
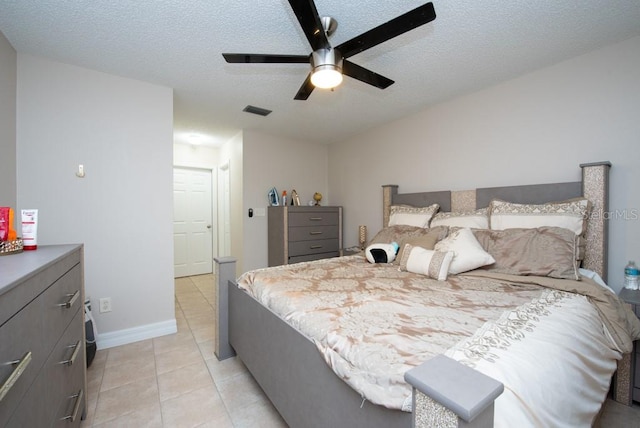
column 425, row 199
column 529, row 194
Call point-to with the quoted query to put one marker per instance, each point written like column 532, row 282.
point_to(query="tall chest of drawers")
column 299, row 234
column 42, row 339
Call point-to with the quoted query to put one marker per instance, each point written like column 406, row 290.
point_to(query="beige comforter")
column 372, row 323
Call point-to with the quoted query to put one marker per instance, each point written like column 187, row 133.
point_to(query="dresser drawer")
column 318, row 218
column 21, row 339
column 309, row 233
column 19, row 296
column 302, row 248
column 60, row 378
column 311, row 257
column 61, row 302
column 69, row 374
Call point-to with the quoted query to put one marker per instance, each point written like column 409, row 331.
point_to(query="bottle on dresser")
column 631, row 274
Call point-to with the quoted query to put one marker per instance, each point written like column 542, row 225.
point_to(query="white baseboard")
column 136, row 334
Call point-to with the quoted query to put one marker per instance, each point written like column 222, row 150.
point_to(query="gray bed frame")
column 306, row 392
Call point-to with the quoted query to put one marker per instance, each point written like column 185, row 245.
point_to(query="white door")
column 192, row 222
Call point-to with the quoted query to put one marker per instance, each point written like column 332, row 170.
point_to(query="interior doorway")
column 193, row 226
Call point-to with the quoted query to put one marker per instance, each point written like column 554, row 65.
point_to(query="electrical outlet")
column 105, row 304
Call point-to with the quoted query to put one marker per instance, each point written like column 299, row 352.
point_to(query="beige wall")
column 8, row 64
column 533, row 129
column 282, row 163
column 189, row 156
column 122, row 131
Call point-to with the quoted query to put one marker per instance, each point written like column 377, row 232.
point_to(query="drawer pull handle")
column 72, row 299
column 74, row 355
column 315, row 247
column 315, row 218
column 315, row 233
column 15, row 374
column 76, row 407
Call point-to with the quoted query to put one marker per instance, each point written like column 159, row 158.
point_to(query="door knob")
column 208, row 226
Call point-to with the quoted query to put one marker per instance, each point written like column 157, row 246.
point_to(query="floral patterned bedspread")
column 372, row 322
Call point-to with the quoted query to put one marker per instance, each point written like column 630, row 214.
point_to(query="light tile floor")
column 176, row 381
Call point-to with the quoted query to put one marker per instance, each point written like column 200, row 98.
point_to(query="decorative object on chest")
column 299, row 234
column 632, row 297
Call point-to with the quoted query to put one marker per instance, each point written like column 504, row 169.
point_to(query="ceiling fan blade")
column 309, row 20
column 390, row 29
column 364, row 75
column 265, row 58
column 305, row 90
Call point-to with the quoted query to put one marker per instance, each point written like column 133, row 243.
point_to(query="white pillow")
column 468, row 253
column 412, row 216
column 571, row 214
column 478, row 219
column 434, row 264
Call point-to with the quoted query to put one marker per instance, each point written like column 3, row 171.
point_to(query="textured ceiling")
column 178, row 43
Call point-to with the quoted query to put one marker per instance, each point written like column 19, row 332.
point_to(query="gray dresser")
column 300, row 234
column 42, row 340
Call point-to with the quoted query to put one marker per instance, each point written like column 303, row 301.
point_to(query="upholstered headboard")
column 594, row 186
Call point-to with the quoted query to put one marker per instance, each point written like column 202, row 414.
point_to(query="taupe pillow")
column 402, row 234
column 544, row 251
column 426, row 239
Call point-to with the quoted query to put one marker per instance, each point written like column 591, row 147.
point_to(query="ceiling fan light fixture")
column 326, row 68
column 326, row 77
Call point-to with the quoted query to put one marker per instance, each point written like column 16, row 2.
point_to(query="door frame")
column 224, row 209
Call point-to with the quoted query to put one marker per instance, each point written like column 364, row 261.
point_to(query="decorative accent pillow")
column 434, row 264
column 468, row 253
column 412, row 216
column 478, row 219
column 571, row 214
column 544, row 251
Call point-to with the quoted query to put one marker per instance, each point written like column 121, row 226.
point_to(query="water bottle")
column 631, row 275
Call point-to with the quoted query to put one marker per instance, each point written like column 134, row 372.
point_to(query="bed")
column 315, row 374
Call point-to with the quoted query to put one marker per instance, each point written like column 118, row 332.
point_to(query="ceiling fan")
column 328, row 63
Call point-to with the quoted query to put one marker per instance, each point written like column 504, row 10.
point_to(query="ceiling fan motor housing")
column 326, row 58
column 326, row 68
